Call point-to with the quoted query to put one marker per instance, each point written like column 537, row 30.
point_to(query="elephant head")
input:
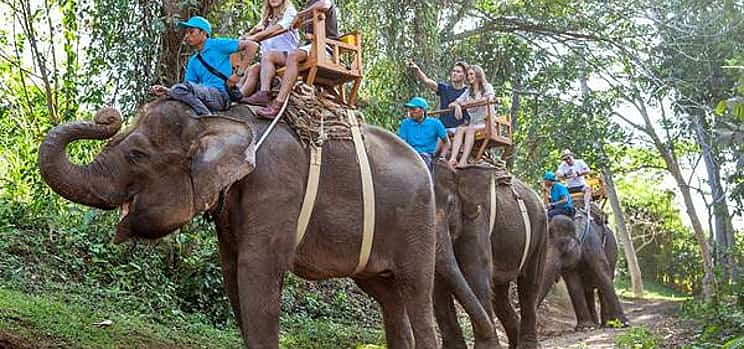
column 162, row 171
column 564, row 251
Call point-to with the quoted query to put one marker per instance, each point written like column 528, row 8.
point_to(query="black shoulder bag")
column 232, row 92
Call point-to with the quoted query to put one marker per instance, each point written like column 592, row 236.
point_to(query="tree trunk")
column 634, row 269
column 722, row 228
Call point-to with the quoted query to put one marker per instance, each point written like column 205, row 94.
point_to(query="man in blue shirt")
column 422, row 132
column 560, row 199
column 447, row 93
column 203, row 89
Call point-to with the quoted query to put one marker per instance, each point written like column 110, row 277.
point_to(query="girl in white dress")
column 478, row 90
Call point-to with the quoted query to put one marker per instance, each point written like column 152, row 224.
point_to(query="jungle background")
column 649, row 93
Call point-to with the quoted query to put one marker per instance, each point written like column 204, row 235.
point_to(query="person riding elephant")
column 584, row 253
column 573, row 171
column 495, row 244
column 209, row 84
column 423, row 133
column 559, row 199
column 172, row 165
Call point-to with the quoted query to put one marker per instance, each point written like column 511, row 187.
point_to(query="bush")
column 637, row 338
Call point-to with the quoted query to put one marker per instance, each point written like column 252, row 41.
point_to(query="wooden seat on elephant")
column 598, row 189
column 496, row 134
column 335, row 65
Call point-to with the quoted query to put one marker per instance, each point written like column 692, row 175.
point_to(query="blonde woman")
column 277, row 15
column 478, row 90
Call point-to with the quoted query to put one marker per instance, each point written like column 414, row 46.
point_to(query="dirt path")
column 659, row 316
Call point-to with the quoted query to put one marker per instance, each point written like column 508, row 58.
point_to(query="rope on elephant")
column 502, row 174
column 316, row 118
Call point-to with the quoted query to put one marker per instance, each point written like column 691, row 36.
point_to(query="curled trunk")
column 80, row 184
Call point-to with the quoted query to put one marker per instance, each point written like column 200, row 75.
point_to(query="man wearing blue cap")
column 422, row 132
column 560, row 199
column 209, row 76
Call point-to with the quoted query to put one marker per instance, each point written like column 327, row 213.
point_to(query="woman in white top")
column 277, row 15
column 479, row 90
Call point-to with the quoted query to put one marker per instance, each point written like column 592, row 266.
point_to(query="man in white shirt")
column 573, row 171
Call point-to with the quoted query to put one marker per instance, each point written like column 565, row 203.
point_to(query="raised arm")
column 421, row 76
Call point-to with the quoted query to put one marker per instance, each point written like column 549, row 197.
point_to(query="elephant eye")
column 135, row 155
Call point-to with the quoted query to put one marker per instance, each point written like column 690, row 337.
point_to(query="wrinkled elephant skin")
column 586, row 260
column 170, row 166
column 490, row 260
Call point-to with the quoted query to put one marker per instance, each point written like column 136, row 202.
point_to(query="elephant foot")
column 529, row 345
column 454, row 345
column 585, row 326
column 488, row 345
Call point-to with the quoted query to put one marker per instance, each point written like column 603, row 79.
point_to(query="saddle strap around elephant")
column 522, row 210
column 368, row 194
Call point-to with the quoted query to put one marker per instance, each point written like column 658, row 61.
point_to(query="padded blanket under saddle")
column 316, row 118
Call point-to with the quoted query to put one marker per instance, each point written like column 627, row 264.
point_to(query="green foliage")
column 722, row 319
column 651, row 290
column 666, row 251
column 637, row 338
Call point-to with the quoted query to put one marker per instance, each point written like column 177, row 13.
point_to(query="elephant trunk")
column 551, row 273
column 80, row 184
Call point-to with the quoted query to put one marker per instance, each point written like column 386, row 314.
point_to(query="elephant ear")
column 222, row 153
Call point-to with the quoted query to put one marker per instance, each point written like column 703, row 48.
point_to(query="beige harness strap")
column 311, row 191
column 368, row 194
column 527, row 229
column 492, row 209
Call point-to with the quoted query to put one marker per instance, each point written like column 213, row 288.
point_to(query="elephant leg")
column 449, row 279
column 604, row 316
column 260, row 272
column 415, row 282
column 398, row 333
column 601, row 270
column 474, row 257
column 527, row 286
column 591, row 302
column 446, row 315
column 505, row 313
column 578, row 300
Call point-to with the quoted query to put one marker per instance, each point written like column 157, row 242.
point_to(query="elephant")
column 171, row 165
column 585, row 256
column 463, row 196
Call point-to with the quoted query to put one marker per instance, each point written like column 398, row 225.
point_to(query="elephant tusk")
column 124, row 209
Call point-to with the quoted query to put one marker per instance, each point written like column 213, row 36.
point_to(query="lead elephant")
column 171, row 165
column 585, row 256
column 490, row 260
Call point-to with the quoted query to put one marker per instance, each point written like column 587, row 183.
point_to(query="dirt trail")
column 659, row 316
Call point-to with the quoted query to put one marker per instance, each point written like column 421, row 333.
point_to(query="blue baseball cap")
column 198, row 22
column 549, row 176
column 418, row 102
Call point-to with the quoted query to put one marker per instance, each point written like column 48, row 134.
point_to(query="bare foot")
column 452, row 163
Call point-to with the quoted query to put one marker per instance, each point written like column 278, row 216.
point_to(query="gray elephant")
column 170, row 166
column 585, row 256
column 491, row 259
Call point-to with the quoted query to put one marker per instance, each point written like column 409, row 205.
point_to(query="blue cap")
column 198, row 22
column 418, row 102
column 549, row 176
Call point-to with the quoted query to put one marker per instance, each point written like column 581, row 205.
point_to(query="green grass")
column 52, row 320
column 44, row 319
column 651, row 290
